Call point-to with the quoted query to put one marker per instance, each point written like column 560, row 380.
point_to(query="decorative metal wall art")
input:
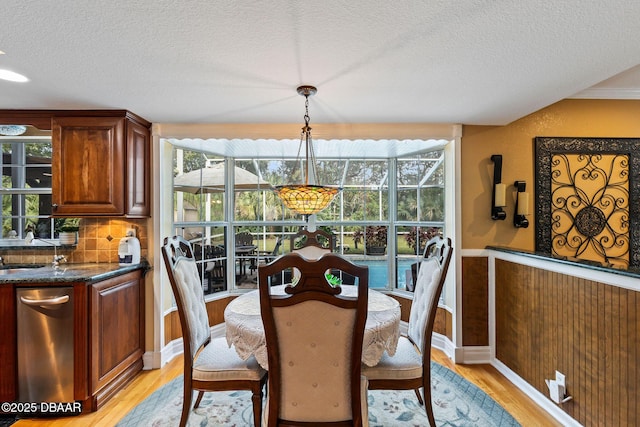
column 588, row 199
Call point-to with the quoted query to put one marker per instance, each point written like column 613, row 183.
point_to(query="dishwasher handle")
column 46, row 302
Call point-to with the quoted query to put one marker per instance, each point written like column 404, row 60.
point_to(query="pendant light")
column 307, row 198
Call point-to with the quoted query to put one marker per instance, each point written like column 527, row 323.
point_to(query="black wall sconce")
column 499, row 194
column 522, row 205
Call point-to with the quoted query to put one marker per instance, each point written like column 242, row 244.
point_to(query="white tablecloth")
column 246, row 332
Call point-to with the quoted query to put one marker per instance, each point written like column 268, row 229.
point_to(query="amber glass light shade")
column 306, row 199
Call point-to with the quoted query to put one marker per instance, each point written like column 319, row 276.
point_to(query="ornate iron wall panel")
column 588, row 199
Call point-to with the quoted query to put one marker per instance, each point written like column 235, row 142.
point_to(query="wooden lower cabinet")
column 116, row 335
column 108, row 336
column 8, row 340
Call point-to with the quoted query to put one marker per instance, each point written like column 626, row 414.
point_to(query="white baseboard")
column 442, row 343
column 467, row 355
column 473, row 355
column 151, row 360
column 552, row 409
column 157, row 359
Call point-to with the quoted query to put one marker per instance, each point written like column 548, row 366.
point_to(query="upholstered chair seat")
column 219, row 362
column 405, row 364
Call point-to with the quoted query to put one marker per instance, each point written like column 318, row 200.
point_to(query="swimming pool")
column 378, row 271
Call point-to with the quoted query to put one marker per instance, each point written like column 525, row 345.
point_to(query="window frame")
column 390, row 218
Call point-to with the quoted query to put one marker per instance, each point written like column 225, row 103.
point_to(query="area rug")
column 7, row 420
column 456, row 402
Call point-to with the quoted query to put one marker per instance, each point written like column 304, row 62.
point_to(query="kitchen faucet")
column 57, row 259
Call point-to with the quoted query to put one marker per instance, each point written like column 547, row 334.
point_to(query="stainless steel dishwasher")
column 45, row 344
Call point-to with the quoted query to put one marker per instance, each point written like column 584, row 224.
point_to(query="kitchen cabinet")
column 101, row 162
column 100, row 165
column 116, row 334
column 108, row 332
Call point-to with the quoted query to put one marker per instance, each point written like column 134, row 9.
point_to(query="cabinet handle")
column 46, row 302
column 54, row 206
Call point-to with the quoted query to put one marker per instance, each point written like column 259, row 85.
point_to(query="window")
column 388, row 207
column 26, row 186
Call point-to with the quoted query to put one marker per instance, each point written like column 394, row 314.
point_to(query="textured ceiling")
column 203, row 61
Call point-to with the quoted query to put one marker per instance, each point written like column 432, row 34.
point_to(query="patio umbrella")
column 211, row 179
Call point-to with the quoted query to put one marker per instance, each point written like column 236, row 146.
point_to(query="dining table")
column 245, row 330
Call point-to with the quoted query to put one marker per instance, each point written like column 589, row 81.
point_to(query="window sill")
column 36, row 244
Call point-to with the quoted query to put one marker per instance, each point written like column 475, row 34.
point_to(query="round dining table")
column 245, row 331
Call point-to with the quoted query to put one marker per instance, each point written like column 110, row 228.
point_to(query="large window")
column 388, row 208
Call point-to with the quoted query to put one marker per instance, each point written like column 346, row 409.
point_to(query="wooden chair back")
column 312, row 244
column 314, row 340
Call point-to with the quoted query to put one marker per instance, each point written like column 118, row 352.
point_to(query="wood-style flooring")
column 486, row 377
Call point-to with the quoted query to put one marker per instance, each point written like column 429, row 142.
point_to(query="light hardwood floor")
column 486, row 377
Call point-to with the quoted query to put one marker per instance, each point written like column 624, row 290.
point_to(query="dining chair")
column 209, row 364
column 312, row 244
column 244, row 238
column 269, row 256
column 410, row 367
column 314, row 344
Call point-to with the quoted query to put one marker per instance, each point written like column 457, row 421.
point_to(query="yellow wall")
column 567, row 118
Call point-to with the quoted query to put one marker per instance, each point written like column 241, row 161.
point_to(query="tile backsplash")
column 98, row 240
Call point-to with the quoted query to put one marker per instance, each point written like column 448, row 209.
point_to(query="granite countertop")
column 89, row 272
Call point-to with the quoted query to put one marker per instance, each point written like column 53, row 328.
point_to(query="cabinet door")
column 138, row 170
column 88, row 166
column 8, row 353
column 116, row 333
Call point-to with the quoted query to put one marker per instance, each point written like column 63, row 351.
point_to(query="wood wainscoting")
column 475, row 301
column 589, row 331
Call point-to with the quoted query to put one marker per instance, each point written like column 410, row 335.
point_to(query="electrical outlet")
column 132, row 233
column 560, row 379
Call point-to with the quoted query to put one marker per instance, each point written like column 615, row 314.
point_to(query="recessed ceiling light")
column 12, row 77
column 1, row 52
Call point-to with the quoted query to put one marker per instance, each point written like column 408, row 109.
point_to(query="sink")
column 13, row 270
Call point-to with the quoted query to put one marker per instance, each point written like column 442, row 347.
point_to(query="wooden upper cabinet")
column 100, row 166
column 88, row 166
column 137, row 200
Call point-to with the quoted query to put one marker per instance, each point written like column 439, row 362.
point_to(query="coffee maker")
column 129, row 250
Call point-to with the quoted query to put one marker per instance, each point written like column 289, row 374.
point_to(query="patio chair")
column 216, row 269
column 209, row 364
column 314, row 339
column 244, row 239
column 410, row 367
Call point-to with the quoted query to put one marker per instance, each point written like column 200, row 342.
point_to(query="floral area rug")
column 456, row 402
